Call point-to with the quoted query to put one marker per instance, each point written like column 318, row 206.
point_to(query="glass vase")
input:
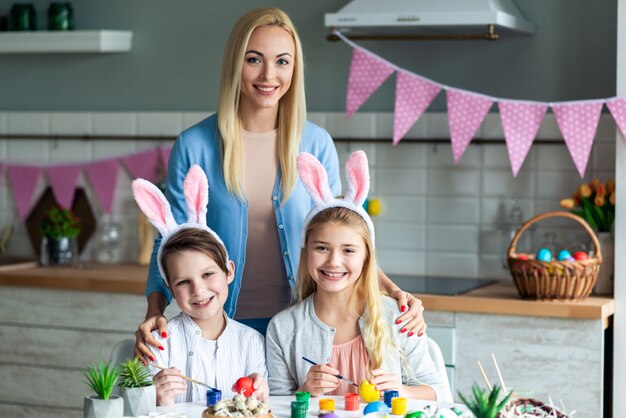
column 58, row 251
column 108, row 242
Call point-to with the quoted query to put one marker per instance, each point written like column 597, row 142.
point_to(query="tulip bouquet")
column 595, row 203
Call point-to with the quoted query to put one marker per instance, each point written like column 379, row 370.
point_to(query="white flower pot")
column 94, row 407
column 138, row 401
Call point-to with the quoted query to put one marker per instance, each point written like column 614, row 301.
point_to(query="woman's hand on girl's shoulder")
column 143, row 336
column 320, row 379
column 412, row 320
column 169, row 384
column 385, row 380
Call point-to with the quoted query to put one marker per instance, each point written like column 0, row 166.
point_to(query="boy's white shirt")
column 239, row 351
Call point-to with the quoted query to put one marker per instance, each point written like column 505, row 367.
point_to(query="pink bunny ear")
column 196, row 190
column 314, row 178
column 358, row 176
column 154, row 205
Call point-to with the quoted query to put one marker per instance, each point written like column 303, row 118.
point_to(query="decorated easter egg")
column 368, row 392
column 377, row 406
column 244, row 386
column 581, row 255
column 544, row 254
column 564, row 255
column 374, row 207
column 523, row 256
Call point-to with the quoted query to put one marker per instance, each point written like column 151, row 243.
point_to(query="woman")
column 248, row 151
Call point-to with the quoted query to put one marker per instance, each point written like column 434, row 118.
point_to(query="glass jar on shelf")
column 107, row 248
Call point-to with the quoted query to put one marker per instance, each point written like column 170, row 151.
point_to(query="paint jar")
column 213, row 397
column 398, row 406
column 390, row 394
column 303, row 397
column 327, row 404
column 298, row 409
column 352, row 401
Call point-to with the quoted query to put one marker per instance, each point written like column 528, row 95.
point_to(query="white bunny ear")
column 358, row 176
column 196, row 190
column 314, row 178
column 154, row 205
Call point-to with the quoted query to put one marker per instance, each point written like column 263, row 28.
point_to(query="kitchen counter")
column 499, row 298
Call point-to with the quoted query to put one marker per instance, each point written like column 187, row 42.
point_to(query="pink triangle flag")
column 520, row 122
column 466, row 111
column 413, row 95
column 578, row 123
column 617, row 107
column 62, row 179
column 103, row 178
column 367, row 73
column 23, row 179
column 165, row 156
column 143, row 165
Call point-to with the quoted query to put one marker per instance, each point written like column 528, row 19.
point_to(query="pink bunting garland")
column 578, row 122
column 62, row 179
column 617, row 107
column 367, row 74
column 165, row 156
column 23, row 179
column 413, row 96
column 520, row 122
column 466, row 112
column 143, row 165
column 103, row 178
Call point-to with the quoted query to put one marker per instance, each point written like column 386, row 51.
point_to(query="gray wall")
column 177, row 49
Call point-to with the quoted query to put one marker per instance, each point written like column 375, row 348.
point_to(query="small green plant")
column 102, row 377
column 134, row 374
column 60, row 223
column 485, row 404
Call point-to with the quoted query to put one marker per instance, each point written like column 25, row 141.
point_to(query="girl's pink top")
column 352, row 361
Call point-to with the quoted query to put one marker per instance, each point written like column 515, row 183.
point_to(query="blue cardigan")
column 227, row 214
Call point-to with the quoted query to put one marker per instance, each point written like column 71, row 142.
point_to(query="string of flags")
column 577, row 120
column 63, row 178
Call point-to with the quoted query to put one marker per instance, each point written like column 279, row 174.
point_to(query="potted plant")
column 484, row 403
column 59, row 230
column 137, row 390
column 101, row 377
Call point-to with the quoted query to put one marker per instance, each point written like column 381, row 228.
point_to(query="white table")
column 281, row 407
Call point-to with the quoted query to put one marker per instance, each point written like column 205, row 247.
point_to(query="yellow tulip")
column 594, row 184
column 584, row 190
column 610, row 186
column 568, row 203
column 612, row 198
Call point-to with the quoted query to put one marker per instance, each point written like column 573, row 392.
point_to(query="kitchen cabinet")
column 88, row 41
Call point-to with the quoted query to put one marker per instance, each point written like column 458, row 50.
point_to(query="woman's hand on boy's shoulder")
column 260, row 386
column 169, row 383
column 320, row 379
column 412, row 320
column 143, row 336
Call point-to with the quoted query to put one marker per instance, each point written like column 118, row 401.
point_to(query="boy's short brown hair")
column 194, row 239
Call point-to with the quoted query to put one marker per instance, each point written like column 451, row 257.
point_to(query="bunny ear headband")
column 157, row 209
column 315, row 180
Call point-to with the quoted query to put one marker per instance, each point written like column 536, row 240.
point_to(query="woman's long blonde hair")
column 291, row 108
column 366, row 289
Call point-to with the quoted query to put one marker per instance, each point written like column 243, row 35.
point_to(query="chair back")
column 123, row 350
column 435, row 354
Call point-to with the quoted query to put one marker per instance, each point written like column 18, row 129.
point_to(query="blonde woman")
column 342, row 320
column 248, row 151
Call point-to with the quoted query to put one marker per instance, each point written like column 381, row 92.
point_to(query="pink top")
column 352, row 361
column 264, row 290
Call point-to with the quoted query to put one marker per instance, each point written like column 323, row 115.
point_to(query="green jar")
column 298, row 409
column 60, row 16
column 303, row 397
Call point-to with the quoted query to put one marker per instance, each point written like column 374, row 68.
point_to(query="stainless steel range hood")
column 429, row 19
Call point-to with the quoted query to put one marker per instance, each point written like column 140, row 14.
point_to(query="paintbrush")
column 338, row 376
column 185, row 377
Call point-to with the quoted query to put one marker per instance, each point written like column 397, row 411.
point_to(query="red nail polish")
column 410, row 333
column 164, row 334
column 403, row 330
column 419, row 334
column 398, row 321
column 161, row 348
column 402, row 308
column 151, row 358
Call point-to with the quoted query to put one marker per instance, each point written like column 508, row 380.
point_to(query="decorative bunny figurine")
column 313, row 176
column 157, row 209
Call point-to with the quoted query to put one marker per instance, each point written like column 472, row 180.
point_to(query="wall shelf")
column 79, row 41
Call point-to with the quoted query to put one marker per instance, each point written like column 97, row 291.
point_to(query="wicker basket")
column 547, row 280
column 524, row 404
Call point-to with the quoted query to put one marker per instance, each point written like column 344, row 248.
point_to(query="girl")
column 204, row 343
column 341, row 319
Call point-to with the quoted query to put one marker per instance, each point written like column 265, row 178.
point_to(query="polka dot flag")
column 413, row 95
column 23, row 179
column 617, row 107
column 367, row 74
column 62, row 179
column 466, row 111
column 520, row 122
column 578, row 122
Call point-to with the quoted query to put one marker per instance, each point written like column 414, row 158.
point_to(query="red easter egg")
column 581, row 255
column 522, row 257
column 243, row 385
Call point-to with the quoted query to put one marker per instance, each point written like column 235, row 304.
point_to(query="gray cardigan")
column 297, row 332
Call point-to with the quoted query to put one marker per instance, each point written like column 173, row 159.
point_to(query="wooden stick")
column 482, row 371
column 184, row 377
column 495, row 363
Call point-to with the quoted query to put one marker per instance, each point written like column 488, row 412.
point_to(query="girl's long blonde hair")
column 291, row 108
column 366, row 289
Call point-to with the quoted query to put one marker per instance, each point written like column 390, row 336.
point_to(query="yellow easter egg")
column 374, row 207
column 368, row 392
